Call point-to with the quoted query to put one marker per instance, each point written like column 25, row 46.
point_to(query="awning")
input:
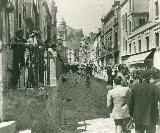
column 139, row 58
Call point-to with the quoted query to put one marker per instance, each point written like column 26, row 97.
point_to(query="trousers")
column 143, row 128
column 120, row 126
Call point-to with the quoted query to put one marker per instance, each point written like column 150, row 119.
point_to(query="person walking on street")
column 144, row 106
column 118, row 103
column 88, row 75
column 120, row 73
column 109, row 73
column 114, row 75
column 77, row 80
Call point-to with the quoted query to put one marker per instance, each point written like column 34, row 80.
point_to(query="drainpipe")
column 1, row 83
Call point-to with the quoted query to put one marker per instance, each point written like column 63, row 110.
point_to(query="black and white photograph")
column 79, row 66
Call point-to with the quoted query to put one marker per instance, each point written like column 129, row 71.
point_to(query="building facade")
column 110, row 38
column 97, row 49
column 70, row 40
column 25, row 35
column 143, row 35
column 133, row 16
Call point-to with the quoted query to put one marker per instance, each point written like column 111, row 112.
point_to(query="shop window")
column 157, row 39
column 139, row 44
column 147, row 43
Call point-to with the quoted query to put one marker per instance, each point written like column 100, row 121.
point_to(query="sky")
column 85, row 14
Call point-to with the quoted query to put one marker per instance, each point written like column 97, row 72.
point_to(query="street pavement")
column 85, row 109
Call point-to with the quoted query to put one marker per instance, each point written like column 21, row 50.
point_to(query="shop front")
column 142, row 60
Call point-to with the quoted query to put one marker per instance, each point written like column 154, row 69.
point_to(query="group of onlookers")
column 134, row 101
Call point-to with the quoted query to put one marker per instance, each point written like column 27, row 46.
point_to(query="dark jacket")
column 144, row 104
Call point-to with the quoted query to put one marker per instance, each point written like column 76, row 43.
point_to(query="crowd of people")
column 133, row 99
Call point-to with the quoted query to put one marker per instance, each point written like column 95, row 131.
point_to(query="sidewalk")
column 101, row 125
column 98, row 124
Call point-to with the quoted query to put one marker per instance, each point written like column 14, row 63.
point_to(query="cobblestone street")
column 84, row 109
column 84, row 103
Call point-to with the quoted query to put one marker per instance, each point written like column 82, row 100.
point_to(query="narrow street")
column 84, row 109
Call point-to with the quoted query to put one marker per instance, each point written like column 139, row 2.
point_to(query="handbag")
column 130, row 124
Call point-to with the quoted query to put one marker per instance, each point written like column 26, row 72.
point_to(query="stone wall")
column 36, row 109
column 27, row 108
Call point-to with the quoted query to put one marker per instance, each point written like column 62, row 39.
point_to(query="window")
column 116, row 38
column 139, row 44
column 126, row 47
column 126, row 21
column 157, row 39
column 134, row 47
column 20, row 21
column 110, row 42
column 124, row 44
column 130, row 5
column 147, row 43
column 123, row 21
column 28, row 10
column 130, row 27
column 141, row 21
column 156, row 8
column 130, row 48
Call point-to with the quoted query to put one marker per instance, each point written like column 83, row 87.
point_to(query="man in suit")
column 117, row 102
column 144, row 106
